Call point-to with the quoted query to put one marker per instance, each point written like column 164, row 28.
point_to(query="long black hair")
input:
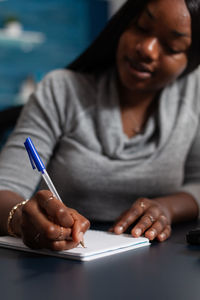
column 194, row 51
column 100, row 55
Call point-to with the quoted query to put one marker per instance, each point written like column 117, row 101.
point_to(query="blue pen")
column 37, row 162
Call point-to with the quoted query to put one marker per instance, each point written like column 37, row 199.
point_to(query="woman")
column 118, row 132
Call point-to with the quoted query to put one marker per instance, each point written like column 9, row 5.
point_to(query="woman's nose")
column 148, row 49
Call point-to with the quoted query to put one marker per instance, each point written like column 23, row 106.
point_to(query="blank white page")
column 97, row 244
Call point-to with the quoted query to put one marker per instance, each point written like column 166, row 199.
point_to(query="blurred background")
column 37, row 36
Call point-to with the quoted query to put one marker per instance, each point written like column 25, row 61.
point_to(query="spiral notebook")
column 97, row 244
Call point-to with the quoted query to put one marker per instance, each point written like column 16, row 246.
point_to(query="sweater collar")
column 115, row 144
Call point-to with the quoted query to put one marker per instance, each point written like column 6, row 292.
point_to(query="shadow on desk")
column 163, row 271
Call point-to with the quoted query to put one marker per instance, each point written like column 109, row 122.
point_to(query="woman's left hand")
column 152, row 217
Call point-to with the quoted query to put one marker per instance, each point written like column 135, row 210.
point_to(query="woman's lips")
column 139, row 70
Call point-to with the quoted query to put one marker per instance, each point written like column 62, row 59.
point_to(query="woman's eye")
column 141, row 28
column 173, row 51
column 169, row 49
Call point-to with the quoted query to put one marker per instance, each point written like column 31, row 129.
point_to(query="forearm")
column 8, row 200
column 181, row 206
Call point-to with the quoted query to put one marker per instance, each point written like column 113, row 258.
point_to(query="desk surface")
column 164, row 271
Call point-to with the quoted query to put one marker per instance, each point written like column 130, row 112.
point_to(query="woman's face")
column 152, row 52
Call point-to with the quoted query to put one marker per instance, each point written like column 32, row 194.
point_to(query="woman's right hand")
column 48, row 223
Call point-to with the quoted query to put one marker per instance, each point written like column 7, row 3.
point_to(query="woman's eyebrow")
column 174, row 32
column 149, row 13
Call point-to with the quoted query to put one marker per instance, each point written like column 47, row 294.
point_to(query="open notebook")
column 98, row 244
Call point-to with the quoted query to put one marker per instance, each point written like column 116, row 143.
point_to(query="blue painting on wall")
column 38, row 36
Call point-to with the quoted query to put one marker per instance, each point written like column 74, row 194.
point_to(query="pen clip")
column 30, row 157
column 34, row 156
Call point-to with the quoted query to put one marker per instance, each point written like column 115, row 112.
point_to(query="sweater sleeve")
column 42, row 119
column 191, row 182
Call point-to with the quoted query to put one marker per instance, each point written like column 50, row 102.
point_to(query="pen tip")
column 82, row 244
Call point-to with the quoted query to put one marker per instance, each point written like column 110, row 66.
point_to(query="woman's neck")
column 135, row 99
column 136, row 107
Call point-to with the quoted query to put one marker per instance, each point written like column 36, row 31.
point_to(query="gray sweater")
column 74, row 121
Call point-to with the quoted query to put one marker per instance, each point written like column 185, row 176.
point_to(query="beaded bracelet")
column 10, row 217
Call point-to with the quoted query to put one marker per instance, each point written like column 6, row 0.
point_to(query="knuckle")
column 158, row 226
column 40, row 193
column 154, row 210
column 141, row 199
column 163, row 219
column 27, row 208
column 56, row 246
column 73, row 211
column 128, row 220
column 43, row 194
column 60, row 213
column 144, row 199
column 143, row 225
column 50, row 232
column 146, row 220
column 134, row 211
column 75, row 215
column 141, row 205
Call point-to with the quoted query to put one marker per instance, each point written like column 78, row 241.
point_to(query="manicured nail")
column 138, row 231
column 152, row 233
column 119, row 229
column 162, row 236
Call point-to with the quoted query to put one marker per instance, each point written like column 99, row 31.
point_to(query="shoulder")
column 67, row 79
column 187, row 90
column 70, row 85
column 191, row 81
column 190, row 84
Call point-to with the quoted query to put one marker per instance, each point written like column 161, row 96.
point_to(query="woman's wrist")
column 180, row 206
column 14, row 219
column 166, row 207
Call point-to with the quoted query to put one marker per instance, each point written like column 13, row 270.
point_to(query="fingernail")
column 119, row 229
column 138, row 231
column 162, row 235
column 152, row 233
